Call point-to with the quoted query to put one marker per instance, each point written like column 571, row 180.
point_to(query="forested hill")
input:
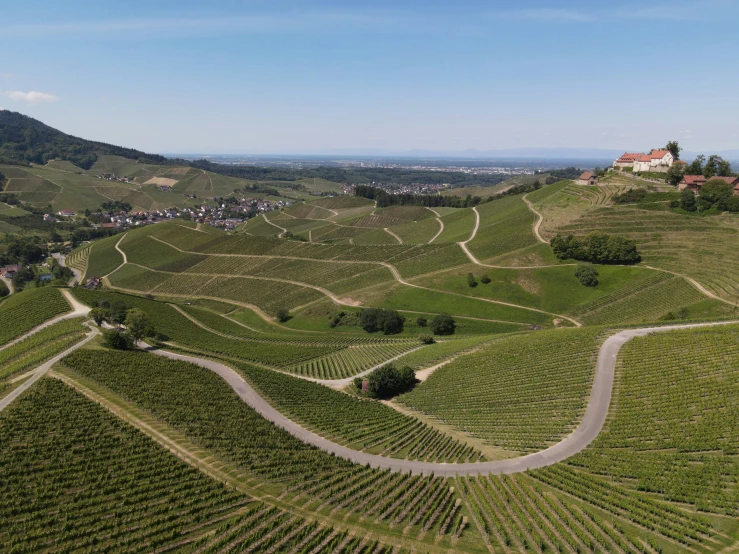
column 25, row 140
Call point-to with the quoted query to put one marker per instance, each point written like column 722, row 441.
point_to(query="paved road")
column 43, row 369
column 589, row 428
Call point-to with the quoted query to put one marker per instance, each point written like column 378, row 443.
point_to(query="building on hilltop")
column 627, row 160
column 657, row 161
column 587, row 178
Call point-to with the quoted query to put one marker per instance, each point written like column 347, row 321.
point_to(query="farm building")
column 587, row 178
column 627, row 160
column 695, row 182
column 656, row 161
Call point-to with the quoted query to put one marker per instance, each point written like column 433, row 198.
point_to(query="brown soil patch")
column 527, row 283
column 159, row 181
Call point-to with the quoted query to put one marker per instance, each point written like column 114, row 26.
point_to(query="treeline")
column 351, row 176
column 24, row 140
column 597, row 248
column 385, row 199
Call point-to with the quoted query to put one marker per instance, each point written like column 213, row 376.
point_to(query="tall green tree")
column 696, row 167
column 687, row 200
column 137, row 324
column 674, row 148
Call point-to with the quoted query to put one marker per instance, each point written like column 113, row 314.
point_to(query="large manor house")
column 657, row 161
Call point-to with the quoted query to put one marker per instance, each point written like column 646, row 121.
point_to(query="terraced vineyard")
column 521, row 393
column 23, row 311
column 353, row 360
column 361, row 424
column 77, row 259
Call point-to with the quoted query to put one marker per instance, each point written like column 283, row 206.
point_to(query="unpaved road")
column 589, row 427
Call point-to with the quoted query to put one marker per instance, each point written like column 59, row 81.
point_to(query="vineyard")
column 39, row 347
column 77, row 259
column 352, row 360
column 75, row 478
column 22, row 312
column 205, row 409
column 361, row 424
column 103, row 257
column 521, row 393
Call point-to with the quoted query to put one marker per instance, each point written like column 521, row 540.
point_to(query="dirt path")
column 125, row 259
column 396, row 237
column 441, row 225
column 78, row 310
column 43, row 369
column 540, row 219
column 282, row 229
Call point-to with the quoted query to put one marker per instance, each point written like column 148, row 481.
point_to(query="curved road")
column 589, row 428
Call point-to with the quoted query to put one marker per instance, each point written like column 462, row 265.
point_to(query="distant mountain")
column 25, row 140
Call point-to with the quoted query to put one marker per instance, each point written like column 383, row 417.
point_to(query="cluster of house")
column 695, row 182
column 111, row 177
column 657, row 161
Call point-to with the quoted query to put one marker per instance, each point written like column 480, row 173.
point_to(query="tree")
column 388, row 381
column 587, row 275
column 3, row 290
column 711, row 169
column 368, row 319
column 426, row 339
column 283, row 315
column 687, row 200
column 485, row 279
column 98, row 315
column 421, row 321
column 117, row 340
column 676, row 173
column 717, row 192
column 443, row 324
column 471, row 280
column 390, row 322
column 673, row 148
column 137, row 324
column 696, row 167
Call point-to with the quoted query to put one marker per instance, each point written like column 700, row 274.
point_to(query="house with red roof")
column 695, row 182
column 627, row 160
column 657, row 161
column 587, row 178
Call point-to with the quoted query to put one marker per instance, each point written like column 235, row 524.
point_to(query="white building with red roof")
column 658, row 161
column 627, row 160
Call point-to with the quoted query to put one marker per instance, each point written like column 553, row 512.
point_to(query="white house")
column 658, row 161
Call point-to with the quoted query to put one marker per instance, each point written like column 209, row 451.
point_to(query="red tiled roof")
column 729, row 180
column 693, row 180
column 587, row 175
column 644, row 158
column 658, row 154
column 628, row 157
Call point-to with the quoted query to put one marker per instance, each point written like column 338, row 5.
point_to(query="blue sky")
column 311, row 76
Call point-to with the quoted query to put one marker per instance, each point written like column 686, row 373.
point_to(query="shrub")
column 485, row 279
column 471, row 280
column 388, row 381
column 443, row 324
column 630, row 196
column 687, row 200
column 422, row 321
column 282, row 315
column 117, row 340
column 427, row 339
column 717, row 192
column 3, row 290
column 587, row 275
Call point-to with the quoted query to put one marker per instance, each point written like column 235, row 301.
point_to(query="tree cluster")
column 390, row 322
column 388, row 381
column 631, row 196
column 596, row 247
column 716, row 193
column 443, row 324
column 135, row 324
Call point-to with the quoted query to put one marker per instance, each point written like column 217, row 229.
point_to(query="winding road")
column 590, row 426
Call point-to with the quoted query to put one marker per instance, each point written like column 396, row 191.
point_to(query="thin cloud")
column 6, row 75
column 32, row 96
column 549, row 14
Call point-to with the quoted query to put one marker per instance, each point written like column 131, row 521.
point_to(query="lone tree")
column 282, row 315
column 443, row 324
column 137, row 324
column 471, row 280
column 388, row 381
column 687, row 200
column 587, row 275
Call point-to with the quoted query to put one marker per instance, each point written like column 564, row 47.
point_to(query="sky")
column 290, row 77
